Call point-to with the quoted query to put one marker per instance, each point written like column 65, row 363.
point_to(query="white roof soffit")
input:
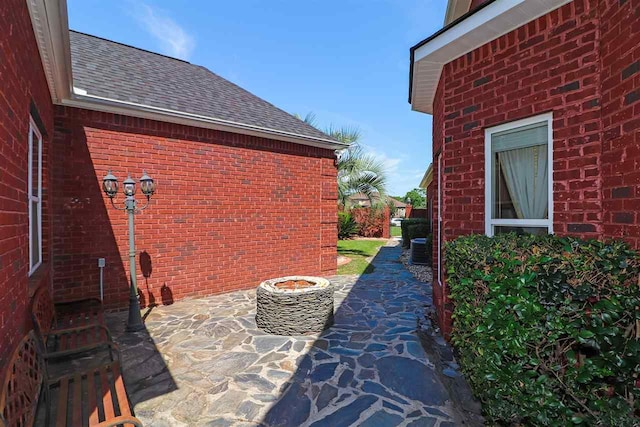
column 486, row 24
column 51, row 28
column 455, row 9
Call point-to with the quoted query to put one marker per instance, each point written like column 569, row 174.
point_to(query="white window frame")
column 33, row 130
column 490, row 223
column 440, row 263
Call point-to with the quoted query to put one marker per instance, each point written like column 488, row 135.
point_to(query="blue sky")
column 345, row 60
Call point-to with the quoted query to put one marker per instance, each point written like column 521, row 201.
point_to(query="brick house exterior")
column 23, row 93
column 230, row 210
column 579, row 62
column 245, row 191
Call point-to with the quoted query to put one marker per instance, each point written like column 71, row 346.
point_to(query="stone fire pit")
column 294, row 305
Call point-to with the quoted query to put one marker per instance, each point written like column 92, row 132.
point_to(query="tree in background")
column 416, row 198
column 358, row 171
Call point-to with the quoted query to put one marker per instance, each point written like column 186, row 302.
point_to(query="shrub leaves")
column 547, row 328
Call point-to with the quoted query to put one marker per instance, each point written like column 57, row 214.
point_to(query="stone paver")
column 203, row 362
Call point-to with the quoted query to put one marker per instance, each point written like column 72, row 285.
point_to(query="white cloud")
column 174, row 40
column 399, row 180
column 391, row 164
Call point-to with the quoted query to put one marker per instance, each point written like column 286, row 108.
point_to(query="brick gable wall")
column 22, row 84
column 579, row 62
column 230, row 210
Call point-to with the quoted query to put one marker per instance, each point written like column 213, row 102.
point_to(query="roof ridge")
column 128, row 45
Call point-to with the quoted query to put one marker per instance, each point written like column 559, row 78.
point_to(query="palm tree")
column 358, row 171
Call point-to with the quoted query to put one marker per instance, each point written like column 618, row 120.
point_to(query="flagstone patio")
column 203, row 362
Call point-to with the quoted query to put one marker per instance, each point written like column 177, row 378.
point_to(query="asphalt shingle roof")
column 109, row 69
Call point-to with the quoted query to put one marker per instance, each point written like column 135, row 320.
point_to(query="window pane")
column 34, row 163
column 520, row 174
column 502, row 205
column 538, row 231
column 35, row 236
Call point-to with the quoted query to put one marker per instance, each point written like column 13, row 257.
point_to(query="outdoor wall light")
column 129, row 186
column 110, row 187
column 146, row 185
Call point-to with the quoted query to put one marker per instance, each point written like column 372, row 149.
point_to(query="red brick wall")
column 230, row 210
column 440, row 294
column 22, row 83
column 577, row 62
column 386, row 225
column 419, row 213
column 550, row 64
column 620, row 99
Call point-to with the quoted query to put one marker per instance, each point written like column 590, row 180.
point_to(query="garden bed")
column 421, row 272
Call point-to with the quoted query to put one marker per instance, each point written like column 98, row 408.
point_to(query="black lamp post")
column 110, row 187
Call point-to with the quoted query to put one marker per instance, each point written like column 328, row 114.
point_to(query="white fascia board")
column 427, row 178
column 51, row 28
column 107, row 105
column 483, row 26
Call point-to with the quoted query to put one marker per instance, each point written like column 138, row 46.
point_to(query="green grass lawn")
column 358, row 251
column 396, row 231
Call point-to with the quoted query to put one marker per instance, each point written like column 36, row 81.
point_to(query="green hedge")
column 417, row 230
column 412, row 228
column 547, row 328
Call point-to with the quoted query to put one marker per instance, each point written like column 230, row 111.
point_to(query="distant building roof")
column 358, row 196
column 397, row 203
column 363, row 200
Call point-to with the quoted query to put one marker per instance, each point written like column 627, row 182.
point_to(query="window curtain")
column 526, row 175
